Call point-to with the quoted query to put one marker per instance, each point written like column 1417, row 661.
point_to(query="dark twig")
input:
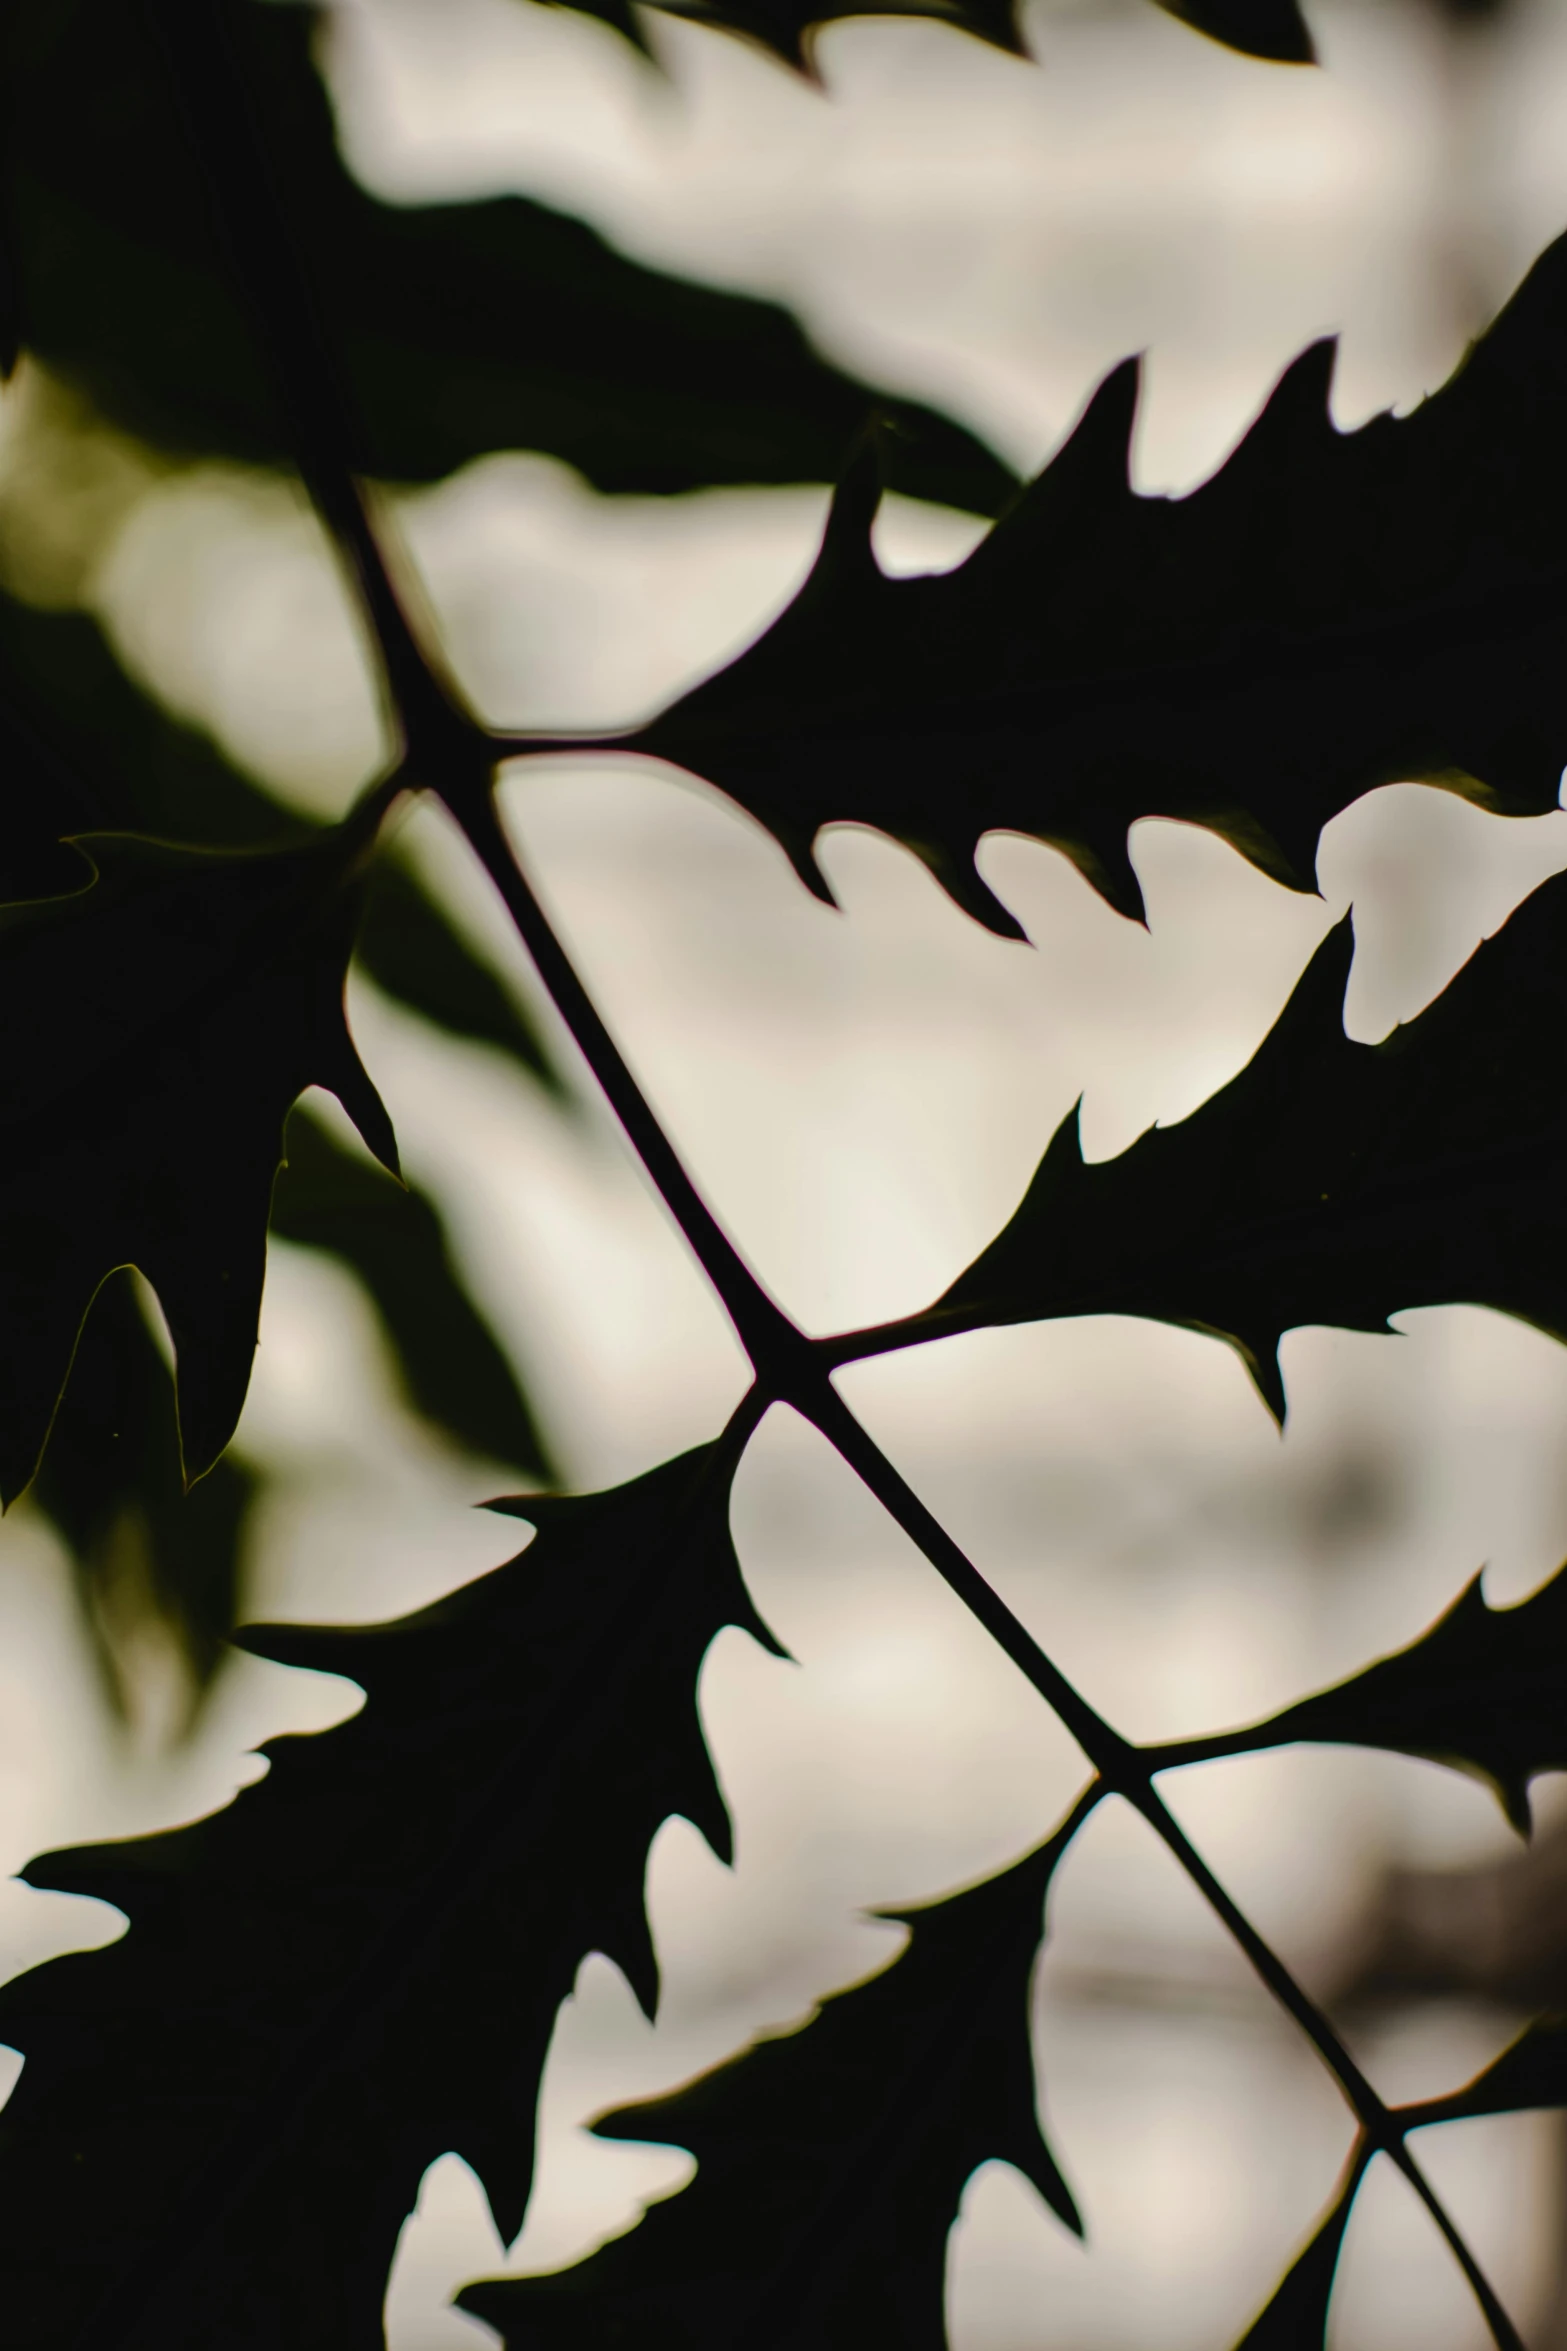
column 446, row 750
column 807, row 1385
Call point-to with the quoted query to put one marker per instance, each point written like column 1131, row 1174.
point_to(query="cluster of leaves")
column 222, row 2120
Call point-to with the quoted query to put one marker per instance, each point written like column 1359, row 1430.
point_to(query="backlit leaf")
column 1332, row 611
column 411, row 948
column 830, row 2160
column 83, row 749
column 1529, row 2075
column 1485, row 1689
column 1330, row 1182
column 223, row 2119
column 158, row 1024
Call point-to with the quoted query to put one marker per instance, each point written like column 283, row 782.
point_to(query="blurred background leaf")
column 81, row 746
column 458, row 328
column 146, row 1555
column 331, row 1197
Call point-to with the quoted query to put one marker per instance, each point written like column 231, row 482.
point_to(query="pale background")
column 863, row 1096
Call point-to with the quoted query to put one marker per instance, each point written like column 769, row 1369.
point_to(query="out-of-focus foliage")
column 456, row 1376
column 82, row 749
column 146, row 1551
column 457, row 328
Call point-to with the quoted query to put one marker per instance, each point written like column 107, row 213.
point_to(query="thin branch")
column 1214, row 1747
column 794, row 1372
column 448, row 752
column 909, row 1330
column 779, row 1354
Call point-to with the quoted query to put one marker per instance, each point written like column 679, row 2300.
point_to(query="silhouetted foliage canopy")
column 355, row 1967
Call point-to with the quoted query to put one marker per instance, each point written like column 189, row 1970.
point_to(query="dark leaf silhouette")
column 141, row 1547
column 1532, row 2073
column 161, row 1021
column 1332, row 611
column 81, row 746
column 1295, row 2317
column 452, row 1366
column 1331, row 1182
column 223, row 2119
column 1262, row 28
column 83, row 749
column 830, row 2161
column 1485, row 1689
column 457, row 329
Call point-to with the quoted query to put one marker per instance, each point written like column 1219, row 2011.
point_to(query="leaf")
column 408, row 945
column 1529, row 2075
column 161, row 1021
column 1262, row 28
column 223, row 2119
column 1485, row 1690
column 457, row 329
column 142, row 1548
column 1332, row 611
column 10, row 307
column 830, row 2161
column 1330, row 1182
column 1296, row 2315
column 82, row 748
column 452, row 1366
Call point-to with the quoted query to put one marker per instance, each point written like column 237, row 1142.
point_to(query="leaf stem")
column 779, row 1354
column 790, row 1369
column 445, row 749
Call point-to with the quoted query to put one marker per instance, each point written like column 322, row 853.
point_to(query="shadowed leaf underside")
column 223, row 2119
column 830, row 2161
